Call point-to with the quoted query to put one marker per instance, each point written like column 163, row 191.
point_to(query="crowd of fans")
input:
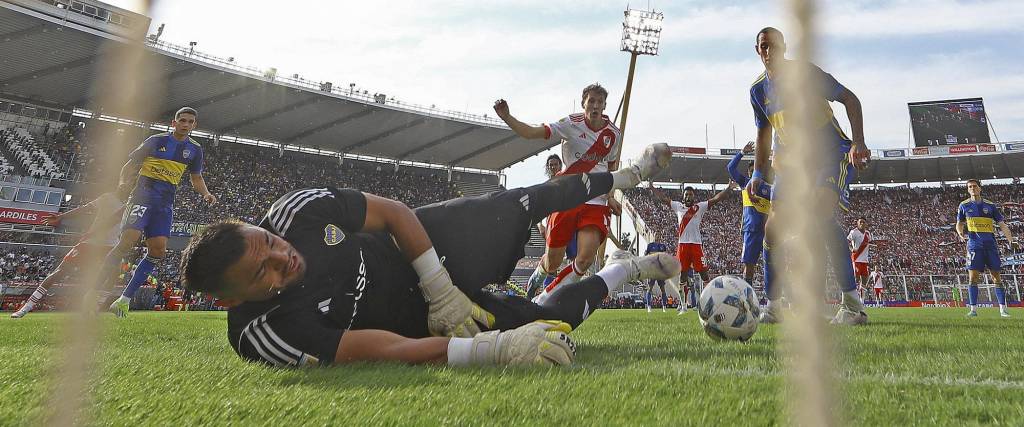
column 912, row 227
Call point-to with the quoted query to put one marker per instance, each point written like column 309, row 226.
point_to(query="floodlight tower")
column 641, row 35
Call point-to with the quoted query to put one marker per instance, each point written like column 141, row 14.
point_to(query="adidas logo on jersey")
column 162, row 149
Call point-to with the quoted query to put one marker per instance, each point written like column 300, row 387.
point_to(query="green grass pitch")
column 926, row 366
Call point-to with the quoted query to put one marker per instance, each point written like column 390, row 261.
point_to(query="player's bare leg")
column 587, row 241
column 62, row 272
column 546, row 269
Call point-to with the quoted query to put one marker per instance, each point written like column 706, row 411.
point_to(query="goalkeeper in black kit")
column 336, row 275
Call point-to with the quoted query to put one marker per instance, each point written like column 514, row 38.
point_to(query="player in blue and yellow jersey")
column 981, row 217
column 755, row 211
column 158, row 164
column 841, row 153
column 655, row 247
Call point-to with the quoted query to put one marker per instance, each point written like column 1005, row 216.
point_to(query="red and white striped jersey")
column 876, row 280
column 102, row 232
column 586, row 150
column 689, row 221
column 860, row 242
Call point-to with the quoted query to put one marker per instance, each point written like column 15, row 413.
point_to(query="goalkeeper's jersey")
column 353, row 280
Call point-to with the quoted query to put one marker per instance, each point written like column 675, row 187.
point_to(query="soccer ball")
column 728, row 309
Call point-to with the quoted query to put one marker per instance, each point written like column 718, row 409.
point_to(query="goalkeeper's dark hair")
column 969, row 181
column 186, row 110
column 210, row 253
column 690, row 189
column 769, row 30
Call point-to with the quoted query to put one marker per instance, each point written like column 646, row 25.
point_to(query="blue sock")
column 840, row 253
column 1000, row 295
column 549, row 278
column 972, row 295
column 140, row 275
column 650, row 298
column 770, row 291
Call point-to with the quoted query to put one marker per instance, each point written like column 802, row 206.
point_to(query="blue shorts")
column 153, row 220
column 836, row 175
column 978, row 259
column 753, row 245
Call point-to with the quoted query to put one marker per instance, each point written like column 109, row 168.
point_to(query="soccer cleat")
column 648, row 310
column 656, row 158
column 847, row 317
column 770, row 316
column 120, row 308
column 972, row 313
column 681, row 310
column 658, row 266
column 1003, row 313
column 19, row 314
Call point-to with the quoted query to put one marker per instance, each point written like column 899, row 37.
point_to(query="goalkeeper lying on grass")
column 335, row 276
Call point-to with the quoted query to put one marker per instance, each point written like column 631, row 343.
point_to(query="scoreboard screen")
column 949, row 122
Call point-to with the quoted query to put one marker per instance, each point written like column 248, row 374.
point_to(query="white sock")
column 614, row 276
column 1002, row 307
column 626, row 177
column 852, row 300
column 123, row 298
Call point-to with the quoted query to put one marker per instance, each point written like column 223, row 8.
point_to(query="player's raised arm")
column 451, row 313
column 734, row 168
column 522, row 129
column 722, row 194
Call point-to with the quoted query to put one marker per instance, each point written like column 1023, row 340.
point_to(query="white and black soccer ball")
column 728, row 309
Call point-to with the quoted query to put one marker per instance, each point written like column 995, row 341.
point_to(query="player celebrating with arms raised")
column 981, row 218
column 841, row 154
column 589, row 145
column 159, row 163
column 691, row 247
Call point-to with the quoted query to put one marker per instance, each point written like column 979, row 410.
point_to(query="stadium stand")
column 35, row 162
column 912, row 226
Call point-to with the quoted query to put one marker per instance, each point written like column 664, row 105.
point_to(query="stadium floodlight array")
column 641, row 31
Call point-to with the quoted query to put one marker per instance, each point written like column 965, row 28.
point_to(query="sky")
column 539, row 54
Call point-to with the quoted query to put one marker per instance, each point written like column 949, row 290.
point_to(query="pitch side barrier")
column 943, row 290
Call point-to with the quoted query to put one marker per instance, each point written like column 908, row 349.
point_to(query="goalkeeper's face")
column 269, row 265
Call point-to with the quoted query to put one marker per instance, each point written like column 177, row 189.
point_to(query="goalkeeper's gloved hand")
column 542, row 342
column 450, row 312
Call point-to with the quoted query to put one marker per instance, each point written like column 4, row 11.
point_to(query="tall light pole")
column 641, row 35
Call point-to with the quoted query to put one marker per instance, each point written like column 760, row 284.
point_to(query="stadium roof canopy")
column 53, row 61
column 710, row 169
